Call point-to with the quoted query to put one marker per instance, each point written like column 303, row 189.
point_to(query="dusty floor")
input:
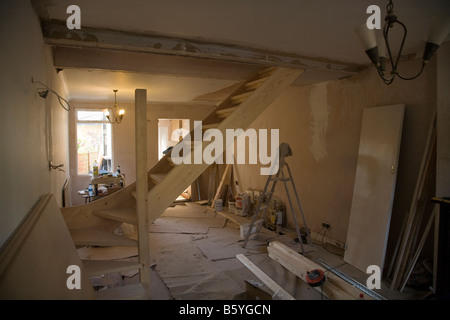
column 193, row 255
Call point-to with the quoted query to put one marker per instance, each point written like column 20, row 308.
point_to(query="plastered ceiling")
column 319, row 29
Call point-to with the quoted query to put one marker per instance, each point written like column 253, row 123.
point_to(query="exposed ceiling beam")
column 143, row 62
column 57, row 33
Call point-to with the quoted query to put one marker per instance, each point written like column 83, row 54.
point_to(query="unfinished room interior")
column 225, row 150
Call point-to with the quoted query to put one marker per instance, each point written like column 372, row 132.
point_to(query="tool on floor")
column 353, row 282
column 265, row 197
column 315, row 277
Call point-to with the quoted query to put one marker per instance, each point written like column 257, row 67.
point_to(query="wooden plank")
column 142, row 183
column 219, row 188
column 252, row 85
column 127, row 215
column 431, row 140
column 241, row 97
column 272, row 285
column 266, row 71
column 99, row 267
column 223, row 113
column 157, row 177
column 328, row 290
column 212, row 182
column 426, row 192
column 418, row 249
column 169, row 159
column 94, row 236
column 334, row 288
column 374, row 188
column 107, row 253
column 82, row 215
column 56, row 33
column 210, row 126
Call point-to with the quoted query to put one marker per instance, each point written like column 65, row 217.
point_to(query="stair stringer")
column 181, row 176
column 81, row 216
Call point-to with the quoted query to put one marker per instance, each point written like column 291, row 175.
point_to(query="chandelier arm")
column 388, row 47
column 386, row 80
column 386, row 39
column 414, row 77
column 401, row 46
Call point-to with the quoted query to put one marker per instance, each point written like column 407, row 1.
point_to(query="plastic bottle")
column 95, row 168
column 91, row 192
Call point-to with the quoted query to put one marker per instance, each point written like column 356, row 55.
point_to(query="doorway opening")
column 170, row 132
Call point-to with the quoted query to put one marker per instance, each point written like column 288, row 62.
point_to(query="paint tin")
column 231, row 206
column 218, row 204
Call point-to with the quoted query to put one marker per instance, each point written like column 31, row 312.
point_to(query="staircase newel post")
column 142, row 183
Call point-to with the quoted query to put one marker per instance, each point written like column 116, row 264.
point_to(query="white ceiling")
column 319, row 29
column 95, row 85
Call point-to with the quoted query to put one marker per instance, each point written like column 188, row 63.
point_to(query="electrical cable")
column 60, row 99
column 323, row 245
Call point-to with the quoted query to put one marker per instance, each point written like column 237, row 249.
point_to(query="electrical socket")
column 326, row 225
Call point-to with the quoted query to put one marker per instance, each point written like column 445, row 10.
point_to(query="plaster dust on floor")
column 193, row 257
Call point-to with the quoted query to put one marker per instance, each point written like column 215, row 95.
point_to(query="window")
column 93, row 141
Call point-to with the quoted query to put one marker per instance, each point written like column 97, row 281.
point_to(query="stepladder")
column 284, row 175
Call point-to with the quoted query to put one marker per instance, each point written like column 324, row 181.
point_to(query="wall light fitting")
column 376, row 49
column 43, row 94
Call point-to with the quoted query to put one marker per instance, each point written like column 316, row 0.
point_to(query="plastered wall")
column 322, row 124
column 33, row 130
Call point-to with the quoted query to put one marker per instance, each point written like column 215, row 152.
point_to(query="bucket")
column 254, row 232
column 218, row 204
column 231, row 206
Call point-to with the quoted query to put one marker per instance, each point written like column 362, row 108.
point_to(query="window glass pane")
column 97, row 115
column 94, row 144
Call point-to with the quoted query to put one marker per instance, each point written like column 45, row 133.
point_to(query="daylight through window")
column 93, row 141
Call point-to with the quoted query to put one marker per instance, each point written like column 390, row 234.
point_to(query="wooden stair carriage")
column 94, row 224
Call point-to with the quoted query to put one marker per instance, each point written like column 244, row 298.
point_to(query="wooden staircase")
column 94, row 224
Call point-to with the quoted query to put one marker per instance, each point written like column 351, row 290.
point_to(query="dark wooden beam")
column 57, row 34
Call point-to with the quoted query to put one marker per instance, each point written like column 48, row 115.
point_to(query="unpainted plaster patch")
column 319, row 123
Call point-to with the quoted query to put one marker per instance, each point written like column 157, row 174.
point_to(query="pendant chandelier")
column 376, row 48
column 117, row 114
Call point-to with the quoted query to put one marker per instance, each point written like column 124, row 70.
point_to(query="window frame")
column 92, row 122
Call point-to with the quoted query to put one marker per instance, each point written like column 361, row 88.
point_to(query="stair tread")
column 99, row 267
column 157, row 177
column 267, row 70
column 226, row 110
column 127, row 215
column 95, row 236
column 128, row 292
column 210, row 126
column 161, row 196
column 169, row 159
column 256, row 83
column 242, row 95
